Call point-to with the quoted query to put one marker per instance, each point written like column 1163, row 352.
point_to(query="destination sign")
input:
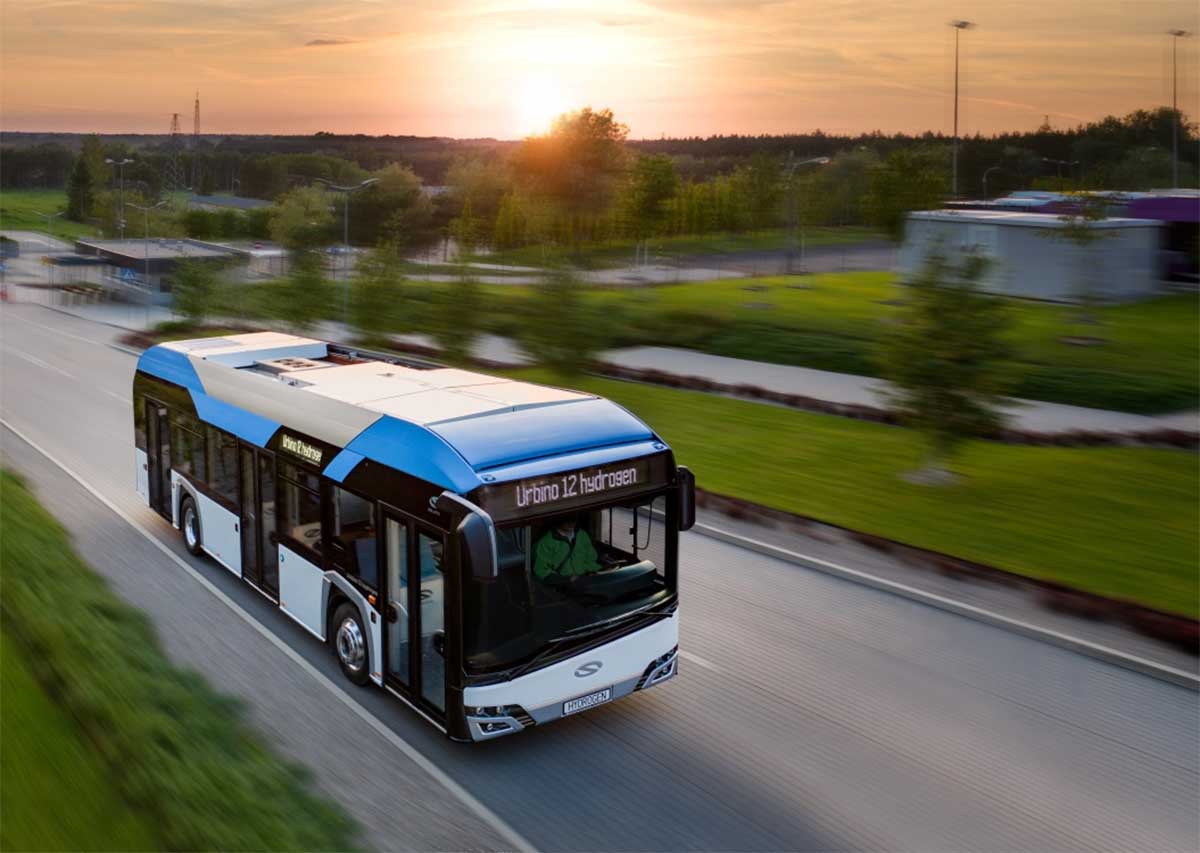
column 308, row 452
column 560, row 491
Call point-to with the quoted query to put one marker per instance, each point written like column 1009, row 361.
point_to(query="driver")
column 565, row 551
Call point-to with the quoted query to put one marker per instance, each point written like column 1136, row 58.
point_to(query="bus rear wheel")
column 350, row 643
column 190, row 526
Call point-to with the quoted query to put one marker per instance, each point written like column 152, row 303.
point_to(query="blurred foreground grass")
column 1120, row 522
column 168, row 748
column 54, row 790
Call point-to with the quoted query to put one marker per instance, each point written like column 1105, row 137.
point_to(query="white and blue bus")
column 497, row 554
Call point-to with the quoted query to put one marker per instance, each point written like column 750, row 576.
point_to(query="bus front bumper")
column 486, row 723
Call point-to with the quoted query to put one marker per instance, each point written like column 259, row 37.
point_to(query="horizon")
column 485, row 69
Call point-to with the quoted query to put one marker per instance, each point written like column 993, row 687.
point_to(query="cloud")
column 329, row 42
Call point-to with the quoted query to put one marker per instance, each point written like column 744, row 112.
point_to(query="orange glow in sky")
column 504, row 68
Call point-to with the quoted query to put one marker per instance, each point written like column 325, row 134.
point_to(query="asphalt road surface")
column 810, row 713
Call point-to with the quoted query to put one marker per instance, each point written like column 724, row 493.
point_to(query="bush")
column 175, row 749
column 1104, row 389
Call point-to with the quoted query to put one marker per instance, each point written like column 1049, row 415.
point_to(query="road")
column 811, row 713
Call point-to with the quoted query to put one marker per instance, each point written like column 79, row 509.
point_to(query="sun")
column 537, row 102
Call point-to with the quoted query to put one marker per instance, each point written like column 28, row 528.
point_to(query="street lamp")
column 346, row 231
column 987, row 172
column 50, row 217
column 1175, row 35
column 120, row 164
column 1059, row 164
column 145, row 209
column 793, row 209
column 958, row 26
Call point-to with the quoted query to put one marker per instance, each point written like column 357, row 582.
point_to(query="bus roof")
column 455, row 428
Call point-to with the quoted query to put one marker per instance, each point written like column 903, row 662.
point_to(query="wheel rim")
column 350, row 647
column 189, row 526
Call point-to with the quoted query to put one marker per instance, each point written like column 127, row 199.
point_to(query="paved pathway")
column 846, row 388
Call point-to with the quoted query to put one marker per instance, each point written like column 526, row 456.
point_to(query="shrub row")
column 175, row 749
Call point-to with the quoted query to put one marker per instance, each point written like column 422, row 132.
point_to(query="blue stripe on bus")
column 245, row 425
column 170, row 365
column 413, row 449
column 342, row 465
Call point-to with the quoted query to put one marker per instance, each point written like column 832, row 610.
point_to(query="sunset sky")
column 503, row 67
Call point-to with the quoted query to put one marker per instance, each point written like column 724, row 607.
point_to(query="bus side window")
column 352, row 539
column 223, row 465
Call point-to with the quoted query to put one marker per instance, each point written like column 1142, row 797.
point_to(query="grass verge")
column 20, row 210
column 54, row 791
column 175, row 752
column 1120, row 522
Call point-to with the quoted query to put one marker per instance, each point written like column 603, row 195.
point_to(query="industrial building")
column 1030, row 257
column 148, row 264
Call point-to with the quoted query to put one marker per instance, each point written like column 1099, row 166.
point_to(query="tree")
column 652, row 183
column 578, row 162
column 908, row 180
column 394, row 210
column 561, row 329
column 455, row 309
column 945, row 357
column 378, row 302
column 305, row 295
column 759, row 185
column 194, row 287
column 302, row 220
column 80, row 194
column 1081, row 228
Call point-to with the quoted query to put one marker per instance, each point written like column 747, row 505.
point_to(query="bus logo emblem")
column 589, row 668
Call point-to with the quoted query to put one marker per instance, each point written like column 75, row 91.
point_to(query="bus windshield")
column 566, row 577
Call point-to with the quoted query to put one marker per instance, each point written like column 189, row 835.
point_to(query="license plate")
column 574, row 706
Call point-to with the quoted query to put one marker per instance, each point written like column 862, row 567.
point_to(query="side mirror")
column 476, row 537
column 687, row 497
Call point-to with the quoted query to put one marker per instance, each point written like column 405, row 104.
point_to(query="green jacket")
column 556, row 555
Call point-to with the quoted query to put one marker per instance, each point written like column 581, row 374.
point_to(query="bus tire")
column 189, row 525
column 350, row 647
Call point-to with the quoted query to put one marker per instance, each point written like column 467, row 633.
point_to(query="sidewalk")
column 848, row 389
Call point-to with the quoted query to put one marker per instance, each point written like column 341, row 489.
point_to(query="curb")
column 1162, row 672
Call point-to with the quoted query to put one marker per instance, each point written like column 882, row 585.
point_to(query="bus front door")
column 415, row 634
column 158, row 457
column 260, row 555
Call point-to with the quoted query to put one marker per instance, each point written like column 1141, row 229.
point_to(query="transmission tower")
column 196, row 145
column 172, row 171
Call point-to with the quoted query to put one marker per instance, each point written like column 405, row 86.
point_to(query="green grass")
column 176, row 752
column 1119, row 522
column 19, row 211
column 834, row 321
column 55, row 793
column 618, row 253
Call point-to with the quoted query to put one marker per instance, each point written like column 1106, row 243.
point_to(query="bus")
column 496, row 554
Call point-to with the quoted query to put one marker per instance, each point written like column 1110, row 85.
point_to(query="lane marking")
column 1134, row 663
column 485, row 814
column 38, row 362
column 699, row 661
column 61, row 332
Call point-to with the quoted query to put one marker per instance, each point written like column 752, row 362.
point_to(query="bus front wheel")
column 350, row 643
column 190, row 526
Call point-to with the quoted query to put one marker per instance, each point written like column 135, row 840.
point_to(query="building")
column 146, row 265
column 1030, row 257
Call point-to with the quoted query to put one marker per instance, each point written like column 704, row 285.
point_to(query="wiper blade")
column 588, row 629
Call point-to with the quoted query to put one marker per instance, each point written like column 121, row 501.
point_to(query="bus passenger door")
column 158, row 457
column 396, row 639
column 260, row 560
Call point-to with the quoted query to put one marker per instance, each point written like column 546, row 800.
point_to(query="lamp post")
column 346, row 231
column 50, row 217
column 793, row 210
column 1175, row 35
column 987, row 172
column 120, row 164
column 1059, row 164
column 958, row 26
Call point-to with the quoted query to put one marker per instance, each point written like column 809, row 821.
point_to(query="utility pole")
column 1175, row 35
column 958, row 26
column 346, row 191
